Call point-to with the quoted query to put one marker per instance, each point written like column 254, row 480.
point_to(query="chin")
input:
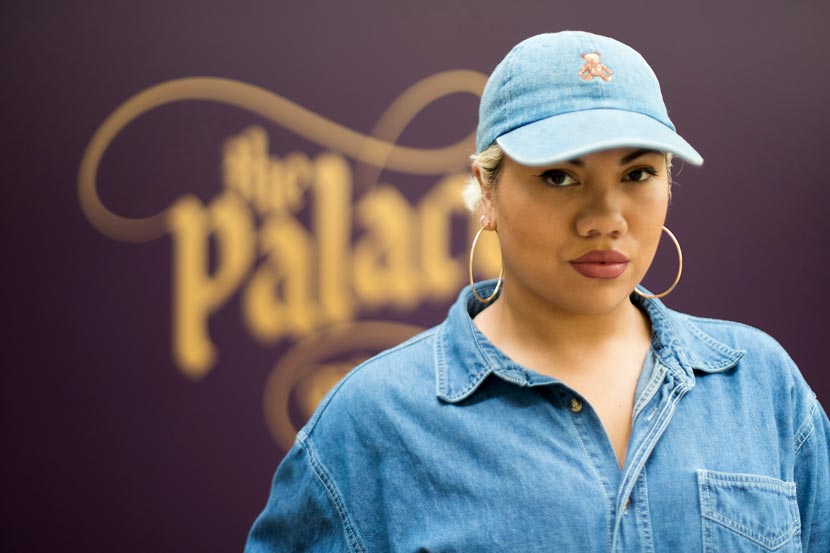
column 602, row 307
column 598, row 300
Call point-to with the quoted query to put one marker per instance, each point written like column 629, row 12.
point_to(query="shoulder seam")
column 807, row 428
column 322, row 476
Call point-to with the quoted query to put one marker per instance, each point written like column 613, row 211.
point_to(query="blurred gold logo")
column 306, row 252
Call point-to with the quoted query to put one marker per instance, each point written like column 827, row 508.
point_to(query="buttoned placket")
column 627, row 488
column 632, row 530
column 465, row 358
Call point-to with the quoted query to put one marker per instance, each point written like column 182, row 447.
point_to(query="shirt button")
column 576, row 405
column 627, row 504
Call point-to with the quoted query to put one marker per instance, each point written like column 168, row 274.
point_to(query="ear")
column 487, row 206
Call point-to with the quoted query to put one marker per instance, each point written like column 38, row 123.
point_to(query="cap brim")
column 571, row 135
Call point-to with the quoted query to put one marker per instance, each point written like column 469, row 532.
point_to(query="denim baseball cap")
column 558, row 96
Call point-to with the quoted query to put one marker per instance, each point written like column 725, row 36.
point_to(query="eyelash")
column 550, row 173
column 545, row 176
column 645, row 169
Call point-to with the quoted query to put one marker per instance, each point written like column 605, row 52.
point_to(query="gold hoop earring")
column 679, row 270
column 492, row 296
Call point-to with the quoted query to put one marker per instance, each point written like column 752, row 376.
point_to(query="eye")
column 640, row 174
column 558, row 178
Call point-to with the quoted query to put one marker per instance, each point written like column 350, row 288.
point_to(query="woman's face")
column 579, row 235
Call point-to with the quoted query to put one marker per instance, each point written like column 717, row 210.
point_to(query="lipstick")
column 603, row 264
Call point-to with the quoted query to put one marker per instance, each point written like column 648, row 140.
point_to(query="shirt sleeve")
column 812, row 474
column 303, row 512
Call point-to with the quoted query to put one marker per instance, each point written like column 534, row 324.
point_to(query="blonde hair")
column 490, row 164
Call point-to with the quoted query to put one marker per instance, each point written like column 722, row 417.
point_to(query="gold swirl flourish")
column 363, row 148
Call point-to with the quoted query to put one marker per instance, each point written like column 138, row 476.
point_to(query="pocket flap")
column 761, row 508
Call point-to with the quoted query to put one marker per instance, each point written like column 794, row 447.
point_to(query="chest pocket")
column 748, row 513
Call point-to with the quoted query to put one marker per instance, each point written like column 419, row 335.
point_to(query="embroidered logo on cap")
column 594, row 68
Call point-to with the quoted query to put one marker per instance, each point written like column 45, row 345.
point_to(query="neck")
column 534, row 333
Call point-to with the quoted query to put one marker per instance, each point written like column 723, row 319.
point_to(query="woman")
column 560, row 408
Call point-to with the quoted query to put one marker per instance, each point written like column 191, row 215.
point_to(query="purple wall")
column 108, row 447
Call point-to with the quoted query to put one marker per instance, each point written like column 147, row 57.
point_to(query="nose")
column 602, row 215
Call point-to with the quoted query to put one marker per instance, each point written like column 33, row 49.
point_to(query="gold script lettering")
column 384, row 257
column 196, row 293
column 310, row 276
column 281, row 299
column 312, row 253
column 443, row 274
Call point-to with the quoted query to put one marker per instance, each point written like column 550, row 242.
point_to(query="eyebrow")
column 637, row 153
column 626, row 159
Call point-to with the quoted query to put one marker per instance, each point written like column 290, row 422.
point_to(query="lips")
column 602, row 264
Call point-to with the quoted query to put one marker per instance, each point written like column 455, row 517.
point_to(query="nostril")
column 592, row 226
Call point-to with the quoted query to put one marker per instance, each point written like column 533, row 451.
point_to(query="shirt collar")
column 465, row 357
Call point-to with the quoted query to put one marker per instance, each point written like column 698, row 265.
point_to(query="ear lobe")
column 487, row 219
column 488, row 216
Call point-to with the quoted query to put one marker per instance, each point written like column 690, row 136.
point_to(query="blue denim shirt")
column 445, row 444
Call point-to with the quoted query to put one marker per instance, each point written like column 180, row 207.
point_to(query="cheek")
column 652, row 242
column 652, row 204
column 648, row 220
column 524, row 212
column 534, row 236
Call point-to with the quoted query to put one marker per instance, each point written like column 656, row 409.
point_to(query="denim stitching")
column 719, row 346
column 669, row 343
column 703, row 493
column 609, row 508
column 751, row 534
column 507, row 92
column 707, row 321
column 786, row 489
column 475, row 379
column 807, row 427
column 757, row 480
column 641, row 497
column 647, row 447
column 651, row 388
column 442, row 369
column 352, row 536
column 656, row 313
